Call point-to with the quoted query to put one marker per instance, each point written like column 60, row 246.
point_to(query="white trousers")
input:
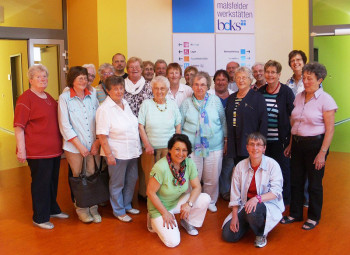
column 171, row 237
column 209, row 170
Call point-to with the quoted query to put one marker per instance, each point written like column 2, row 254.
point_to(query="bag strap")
column 83, row 168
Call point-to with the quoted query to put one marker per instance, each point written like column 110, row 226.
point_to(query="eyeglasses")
column 84, row 78
column 107, row 74
column 92, row 76
column 271, row 72
column 259, row 145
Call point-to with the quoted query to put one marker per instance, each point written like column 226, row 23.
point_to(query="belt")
column 307, row 138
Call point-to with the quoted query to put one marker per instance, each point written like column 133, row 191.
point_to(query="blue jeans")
column 225, row 176
column 254, row 220
column 122, row 180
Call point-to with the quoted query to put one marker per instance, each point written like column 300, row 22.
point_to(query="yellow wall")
column 33, row 13
column 49, row 59
column 82, row 32
column 301, row 25
column 8, row 48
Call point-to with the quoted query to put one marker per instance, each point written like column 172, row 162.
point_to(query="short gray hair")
column 256, row 136
column 37, row 68
column 160, row 79
column 105, row 66
column 90, row 66
column 201, row 75
column 244, row 69
column 258, row 64
column 318, row 69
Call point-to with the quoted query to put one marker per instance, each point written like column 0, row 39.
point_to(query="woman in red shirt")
column 40, row 143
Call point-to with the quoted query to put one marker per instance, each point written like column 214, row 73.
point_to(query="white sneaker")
column 191, row 230
column 61, row 215
column 212, row 208
column 260, row 241
column 84, row 214
column 125, row 218
column 149, row 224
column 95, row 215
column 133, row 211
column 45, row 225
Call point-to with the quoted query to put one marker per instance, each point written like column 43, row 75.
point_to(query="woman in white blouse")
column 117, row 129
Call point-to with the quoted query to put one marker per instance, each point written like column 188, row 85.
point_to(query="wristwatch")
column 190, row 203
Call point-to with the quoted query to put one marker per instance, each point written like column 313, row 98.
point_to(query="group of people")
column 255, row 144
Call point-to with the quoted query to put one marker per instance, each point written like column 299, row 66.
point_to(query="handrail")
column 341, row 121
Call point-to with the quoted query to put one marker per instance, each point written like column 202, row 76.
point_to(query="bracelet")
column 259, row 198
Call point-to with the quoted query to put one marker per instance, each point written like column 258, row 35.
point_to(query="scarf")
column 179, row 175
column 132, row 88
column 204, row 131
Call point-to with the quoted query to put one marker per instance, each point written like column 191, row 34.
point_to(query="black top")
column 251, row 117
column 285, row 98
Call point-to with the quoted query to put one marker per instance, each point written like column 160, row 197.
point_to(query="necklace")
column 273, row 92
column 42, row 95
column 162, row 110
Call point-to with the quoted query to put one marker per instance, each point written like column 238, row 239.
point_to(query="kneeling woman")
column 256, row 194
column 166, row 191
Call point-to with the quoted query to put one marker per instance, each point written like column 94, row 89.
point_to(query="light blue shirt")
column 159, row 125
column 217, row 121
column 268, row 178
column 76, row 118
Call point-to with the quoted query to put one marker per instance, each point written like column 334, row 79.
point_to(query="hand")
column 21, row 155
column 149, row 149
column 225, row 147
column 111, row 160
column 83, row 150
column 320, row 160
column 287, row 151
column 251, row 205
column 234, row 226
column 95, row 147
column 169, row 220
column 185, row 211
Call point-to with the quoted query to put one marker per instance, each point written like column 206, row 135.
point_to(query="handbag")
column 92, row 190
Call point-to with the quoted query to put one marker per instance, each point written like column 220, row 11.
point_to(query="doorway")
column 16, row 77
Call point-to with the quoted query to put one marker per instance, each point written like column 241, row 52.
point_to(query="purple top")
column 307, row 118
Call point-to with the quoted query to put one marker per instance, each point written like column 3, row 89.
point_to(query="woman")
column 148, row 70
column 245, row 114
column 136, row 87
column 104, row 71
column 221, row 89
column 178, row 91
column 40, row 143
column 117, row 130
column 190, row 71
column 167, row 194
column 76, row 115
column 159, row 118
column 296, row 60
column 312, row 132
column 256, row 195
column 203, row 120
column 279, row 104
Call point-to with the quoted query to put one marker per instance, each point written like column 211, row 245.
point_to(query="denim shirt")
column 268, row 178
column 76, row 118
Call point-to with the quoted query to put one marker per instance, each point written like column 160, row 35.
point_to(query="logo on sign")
column 230, row 25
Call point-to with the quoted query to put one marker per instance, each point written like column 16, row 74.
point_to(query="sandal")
column 287, row 220
column 309, row 225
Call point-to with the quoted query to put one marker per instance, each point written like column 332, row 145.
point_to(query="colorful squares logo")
column 243, row 22
column 187, row 58
column 242, row 51
column 186, row 51
column 186, row 65
column 186, row 44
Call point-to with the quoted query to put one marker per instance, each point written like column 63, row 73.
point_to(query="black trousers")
column 254, row 220
column 275, row 150
column 44, row 186
column 303, row 155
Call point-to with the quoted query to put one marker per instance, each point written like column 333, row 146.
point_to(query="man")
column 221, row 89
column 259, row 76
column 148, row 70
column 256, row 195
column 91, row 73
column 160, row 67
column 231, row 68
column 119, row 63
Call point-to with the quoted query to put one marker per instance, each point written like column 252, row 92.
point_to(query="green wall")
column 334, row 53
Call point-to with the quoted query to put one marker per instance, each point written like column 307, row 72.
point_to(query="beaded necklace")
column 162, row 110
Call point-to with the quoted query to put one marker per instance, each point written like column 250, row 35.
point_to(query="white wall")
column 149, row 29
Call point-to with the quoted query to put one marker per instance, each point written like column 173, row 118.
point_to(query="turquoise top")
column 217, row 121
column 168, row 193
column 159, row 125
